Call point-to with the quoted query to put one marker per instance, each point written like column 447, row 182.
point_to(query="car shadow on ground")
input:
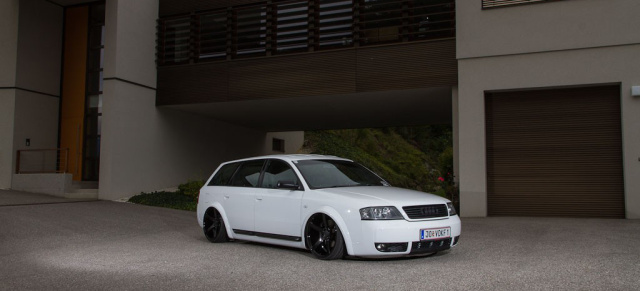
column 308, row 254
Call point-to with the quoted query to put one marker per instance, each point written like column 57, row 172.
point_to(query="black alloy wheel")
column 323, row 237
column 213, row 227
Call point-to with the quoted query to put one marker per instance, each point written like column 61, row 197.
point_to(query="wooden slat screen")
column 555, row 153
column 265, row 28
column 500, row 3
column 365, row 69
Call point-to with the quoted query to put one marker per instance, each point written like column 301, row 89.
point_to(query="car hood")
column 383, row 196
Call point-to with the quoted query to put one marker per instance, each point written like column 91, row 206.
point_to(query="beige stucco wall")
column 7, row 110
column 30, row 53
column 549, row 26
column 40, row 47
column 130, row 40
column 8, row 61
column 550, row 44
column 145, row 148
column 553, row 69
column 36, row 119
column 8, row 42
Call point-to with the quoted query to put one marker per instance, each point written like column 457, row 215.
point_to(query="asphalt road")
column 101, row 245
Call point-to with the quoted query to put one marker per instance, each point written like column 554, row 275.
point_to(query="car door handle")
column 259, row 198
column 226, row 196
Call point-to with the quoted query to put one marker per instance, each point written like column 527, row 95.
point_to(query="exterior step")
column 82, row 194
column 84, row 185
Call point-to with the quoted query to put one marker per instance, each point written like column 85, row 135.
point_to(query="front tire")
column 213, row 226
column 324, row 238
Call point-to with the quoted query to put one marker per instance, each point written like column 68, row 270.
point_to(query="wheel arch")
column 217, row 206
column 335, row 215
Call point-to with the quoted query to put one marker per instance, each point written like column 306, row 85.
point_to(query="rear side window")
column 248, row 174
column 223, row 177
column 278, row 171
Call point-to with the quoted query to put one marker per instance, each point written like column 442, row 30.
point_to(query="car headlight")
column 380, row 213
column 452, row 210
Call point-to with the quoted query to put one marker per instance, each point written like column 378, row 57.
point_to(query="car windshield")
column 336, row 173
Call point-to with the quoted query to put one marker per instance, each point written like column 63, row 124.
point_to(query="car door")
column 277, row 211
column 239, row 197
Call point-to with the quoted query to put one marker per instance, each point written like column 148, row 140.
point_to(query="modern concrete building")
column 140, row 95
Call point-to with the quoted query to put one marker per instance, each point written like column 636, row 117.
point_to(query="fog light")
column 391, row 247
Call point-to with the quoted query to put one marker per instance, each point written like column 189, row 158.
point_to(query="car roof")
column 291, row 158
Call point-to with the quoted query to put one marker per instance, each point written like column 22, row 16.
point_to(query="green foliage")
column 408, row 157
column 174, row 200
column 191, row 188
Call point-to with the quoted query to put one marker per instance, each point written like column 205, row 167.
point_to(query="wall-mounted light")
column 635, row 91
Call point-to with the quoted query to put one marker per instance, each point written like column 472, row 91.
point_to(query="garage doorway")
column 555, row 152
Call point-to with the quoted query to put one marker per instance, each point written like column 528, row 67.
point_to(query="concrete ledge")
column 52, row 184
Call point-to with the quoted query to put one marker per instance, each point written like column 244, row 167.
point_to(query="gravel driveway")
column 105, row 245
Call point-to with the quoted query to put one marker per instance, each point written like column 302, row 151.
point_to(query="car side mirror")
column 288, row 185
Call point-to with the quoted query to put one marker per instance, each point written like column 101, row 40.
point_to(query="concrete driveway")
column 119, row 246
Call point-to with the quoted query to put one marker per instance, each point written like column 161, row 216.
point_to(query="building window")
column 292, row 27
column 250, row 33
column 93, row 97
column 278, row 145
column 500, row 3
column 334, row 24
column 212, row 43
column 174, row 40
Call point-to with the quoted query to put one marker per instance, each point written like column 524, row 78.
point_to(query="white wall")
column 293, row 141
column 607, row 65
column 554, row 25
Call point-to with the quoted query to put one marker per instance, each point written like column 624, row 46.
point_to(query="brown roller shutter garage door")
column 555, row 153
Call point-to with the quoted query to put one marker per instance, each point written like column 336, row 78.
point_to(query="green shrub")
column 191, row 188
column 173, row 200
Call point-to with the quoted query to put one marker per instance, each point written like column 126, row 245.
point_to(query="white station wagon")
column 328, row 205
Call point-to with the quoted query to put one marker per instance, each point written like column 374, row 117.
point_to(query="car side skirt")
column 268, row 235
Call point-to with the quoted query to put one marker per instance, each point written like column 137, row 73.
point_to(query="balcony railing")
column 42, row 161
column 289, row 26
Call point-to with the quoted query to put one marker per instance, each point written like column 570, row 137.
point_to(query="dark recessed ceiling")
column 361, row 110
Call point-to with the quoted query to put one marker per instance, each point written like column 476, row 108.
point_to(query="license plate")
column 435, row 233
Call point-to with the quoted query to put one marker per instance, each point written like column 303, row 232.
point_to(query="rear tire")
column 213, row 226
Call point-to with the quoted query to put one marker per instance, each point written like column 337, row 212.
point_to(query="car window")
column 337, row 173
column 223, row 176
column 276, row 171
column 248, row 174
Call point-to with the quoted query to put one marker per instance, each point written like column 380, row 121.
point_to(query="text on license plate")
column 435, row 233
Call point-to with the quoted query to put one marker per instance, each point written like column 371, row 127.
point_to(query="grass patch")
column 175, row 200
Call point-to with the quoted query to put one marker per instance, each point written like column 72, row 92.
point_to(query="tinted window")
column 278, row 171
column 223, row 176
column 248, row 174
column 336, row 173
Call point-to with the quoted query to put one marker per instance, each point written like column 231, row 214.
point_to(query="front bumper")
column 375, row 232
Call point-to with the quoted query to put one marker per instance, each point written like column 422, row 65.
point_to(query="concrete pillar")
column 144, row 147
column 8, row 61
column 456, row 142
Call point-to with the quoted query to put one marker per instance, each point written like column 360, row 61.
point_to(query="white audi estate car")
column 328, row 205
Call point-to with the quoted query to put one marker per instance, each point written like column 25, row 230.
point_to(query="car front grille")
column 430, row 246
column 426, row 211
